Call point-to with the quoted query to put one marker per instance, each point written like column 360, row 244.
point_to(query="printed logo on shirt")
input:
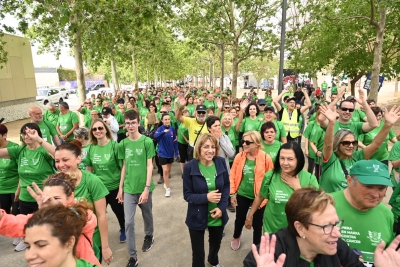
column 375, row 237
column 107, row 157
column 5, row 161
column 139, row 151
column 35, row 161
column 128, row 152
column 281, row 197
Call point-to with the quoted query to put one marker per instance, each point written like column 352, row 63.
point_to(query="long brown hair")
column 93, row 139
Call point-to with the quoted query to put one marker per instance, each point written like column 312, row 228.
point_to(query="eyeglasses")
column 247, row 142
column 227, row 107
column 348, row 143
column 328, row 228
column 163, row 112
column 88, row 102
column 237, row 107
column 130, row 123
column 201, row 112
column 347, row 109
column 100, row 128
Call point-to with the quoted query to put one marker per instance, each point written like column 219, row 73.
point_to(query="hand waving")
column 328, row 113
column 244, row 104
column 387, row 257
column 265, row 258
column 42, row 199
column 393, row 115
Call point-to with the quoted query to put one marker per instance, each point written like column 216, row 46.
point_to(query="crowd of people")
column 239, row 157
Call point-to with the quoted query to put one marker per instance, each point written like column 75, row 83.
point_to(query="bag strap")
column 198, row 134
column 344, row 168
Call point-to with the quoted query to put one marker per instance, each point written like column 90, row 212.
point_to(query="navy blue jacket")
column 167, row 142
column 195, row 192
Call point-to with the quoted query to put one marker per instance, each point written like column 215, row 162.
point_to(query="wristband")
column 232, row 195
column 147, row 187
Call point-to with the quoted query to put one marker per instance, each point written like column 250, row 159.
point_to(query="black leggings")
column 116, row 207
column 8, row 204
column 26, row 208
column 214, row 240
column 243, row 204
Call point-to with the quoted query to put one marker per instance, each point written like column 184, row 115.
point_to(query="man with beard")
column 195, row 126
column 48, row 130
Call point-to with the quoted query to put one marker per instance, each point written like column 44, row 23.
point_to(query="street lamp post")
column 282, row 52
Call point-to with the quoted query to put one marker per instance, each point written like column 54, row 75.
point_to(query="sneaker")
column 16, row 241
column 231, row 208
column 148, row 243
column 168, row 192
column 161, row 180
column 21, row 245
column 235, row 243
column 122, row 235
column 132, row 262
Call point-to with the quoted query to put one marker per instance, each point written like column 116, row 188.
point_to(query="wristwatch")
column 147, row 187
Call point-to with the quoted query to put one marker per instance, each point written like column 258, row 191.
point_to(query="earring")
column 304, row 236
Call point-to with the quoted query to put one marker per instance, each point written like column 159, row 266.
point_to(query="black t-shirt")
column 298, row 95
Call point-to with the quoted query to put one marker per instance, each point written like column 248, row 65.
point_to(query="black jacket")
column 195, row 192
column 285, row 243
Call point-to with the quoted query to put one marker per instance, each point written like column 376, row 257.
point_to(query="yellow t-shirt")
column 193, row 128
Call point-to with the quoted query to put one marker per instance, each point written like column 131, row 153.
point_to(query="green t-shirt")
column 280, row 130
column 355, row 127
column 278, row 194
column 98, row 108
column 317, row 137
column 382, row 153
column 9, row 176
column 232, row 134
column 332, row 176
column 358, row 116
column 135, row 153
column 143, row 112
column 209, row 173
column 50, row 117
column 120, row 119
column 334, row 89
column 91, row 189
column 34, row 166
column 272, row 149
column 191, row 109
column 83, row 263
column 324, row 86
column 66, row 122
column 307, row 134
column 86, row 115
column 48, row 131
column 246, row 187
column 268, row 99
column 395, row 155
column 395, row 203
column 105, row 163
column 364, row 230
column 250, row 125
column 182, row 131
column 85, row 149
column 211, row 104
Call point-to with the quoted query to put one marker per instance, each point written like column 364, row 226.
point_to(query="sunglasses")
column 227, row 107
column 347, row 109
column 88, row 102
column 247, row 142
column 163, row 112
column 262, row 105
column 347, row 143
column 201, row 112
column 100, row 128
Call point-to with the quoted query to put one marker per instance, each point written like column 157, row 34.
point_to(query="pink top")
column 13, row 226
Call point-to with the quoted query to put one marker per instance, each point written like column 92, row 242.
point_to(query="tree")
column 261, row 69
column 242, row 25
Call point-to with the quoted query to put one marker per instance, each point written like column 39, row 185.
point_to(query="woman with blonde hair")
column 206, row 189
column 246, row 177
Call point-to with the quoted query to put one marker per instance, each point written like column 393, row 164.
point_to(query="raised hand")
column 328, row 113
column 393, row 115
column 219, row 103
column 266, row 257
column 387, row 257
column 33, row 134
column 244, row 104
column 361, row 97
column 43, row 200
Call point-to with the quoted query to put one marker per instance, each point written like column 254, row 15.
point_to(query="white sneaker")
column 16, row 241
column 168, row 192
column 21, row 245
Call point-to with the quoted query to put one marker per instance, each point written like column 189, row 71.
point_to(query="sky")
column 47, row 59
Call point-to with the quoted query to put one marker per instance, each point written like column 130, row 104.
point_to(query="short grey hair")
column 64, row 105
column 111, row 105
column 50, row 105
column 82, row 132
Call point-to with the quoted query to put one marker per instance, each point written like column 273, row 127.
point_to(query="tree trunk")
column 148, row 78
column 235, row 68
column 376, row 66
column 396, row 86
column 80, row 75
column 134, row 67
column 354, row 81
column 155, row 78
column 114, row 75
column 314, row 82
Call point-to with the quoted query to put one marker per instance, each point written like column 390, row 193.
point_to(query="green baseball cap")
column 371, row 172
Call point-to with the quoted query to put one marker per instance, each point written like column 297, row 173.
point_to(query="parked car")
column 53, row 95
